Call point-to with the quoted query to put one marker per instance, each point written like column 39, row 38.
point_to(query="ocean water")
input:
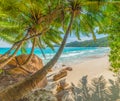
column 69, row 55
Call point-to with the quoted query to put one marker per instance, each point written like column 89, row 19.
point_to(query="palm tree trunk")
column 31, row 54
column 28, row 59
column 13, row 46
column 40, row 47
column 57, row 55
column 8, row 52
column 21, row 88
column 5, row 61
column 24, row 39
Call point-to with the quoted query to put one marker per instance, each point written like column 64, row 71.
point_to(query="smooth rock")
column 60, row 75
column 68, row 68
column 32, row 66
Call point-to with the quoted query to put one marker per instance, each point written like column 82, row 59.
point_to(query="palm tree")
column 78, row 13
column 28, row 20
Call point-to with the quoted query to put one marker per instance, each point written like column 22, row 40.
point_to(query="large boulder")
column 13, row 67
column 14, row 73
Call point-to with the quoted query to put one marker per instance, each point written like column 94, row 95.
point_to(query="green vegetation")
column 115, row 52
column 40, row 22
column 114, row 39
column 102, row 42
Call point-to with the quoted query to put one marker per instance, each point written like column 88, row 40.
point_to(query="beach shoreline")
column 92, row 68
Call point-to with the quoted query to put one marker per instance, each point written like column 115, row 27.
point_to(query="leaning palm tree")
column 20, row 24
column 78, row 18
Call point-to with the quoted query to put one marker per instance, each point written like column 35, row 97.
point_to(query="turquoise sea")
column 70, row 54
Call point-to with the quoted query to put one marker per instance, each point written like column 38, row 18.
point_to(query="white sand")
column 93, row 67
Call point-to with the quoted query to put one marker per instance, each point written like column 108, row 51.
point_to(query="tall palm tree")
column 80, row 16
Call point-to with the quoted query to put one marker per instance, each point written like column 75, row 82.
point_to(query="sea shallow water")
column 69, row 55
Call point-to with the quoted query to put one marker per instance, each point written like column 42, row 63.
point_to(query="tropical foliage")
column 114, row 39
column 42, row 22
column 29, row 20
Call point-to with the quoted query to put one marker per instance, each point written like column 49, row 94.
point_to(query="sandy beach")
column 92, row 67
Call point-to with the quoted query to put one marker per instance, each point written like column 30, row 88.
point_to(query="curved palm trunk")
column 39, row 45
column 28, row 59
column 8, row 52
column 18, row 42
column 13, row 46
column 5, row 61
column 31, row 54
column 21, row 88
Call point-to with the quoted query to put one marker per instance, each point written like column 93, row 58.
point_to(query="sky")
column 83, row 38
column 70, row 39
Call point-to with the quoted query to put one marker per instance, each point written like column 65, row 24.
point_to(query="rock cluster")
column 14, row 73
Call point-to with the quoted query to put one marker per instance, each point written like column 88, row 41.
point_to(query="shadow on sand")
column 98, row 90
